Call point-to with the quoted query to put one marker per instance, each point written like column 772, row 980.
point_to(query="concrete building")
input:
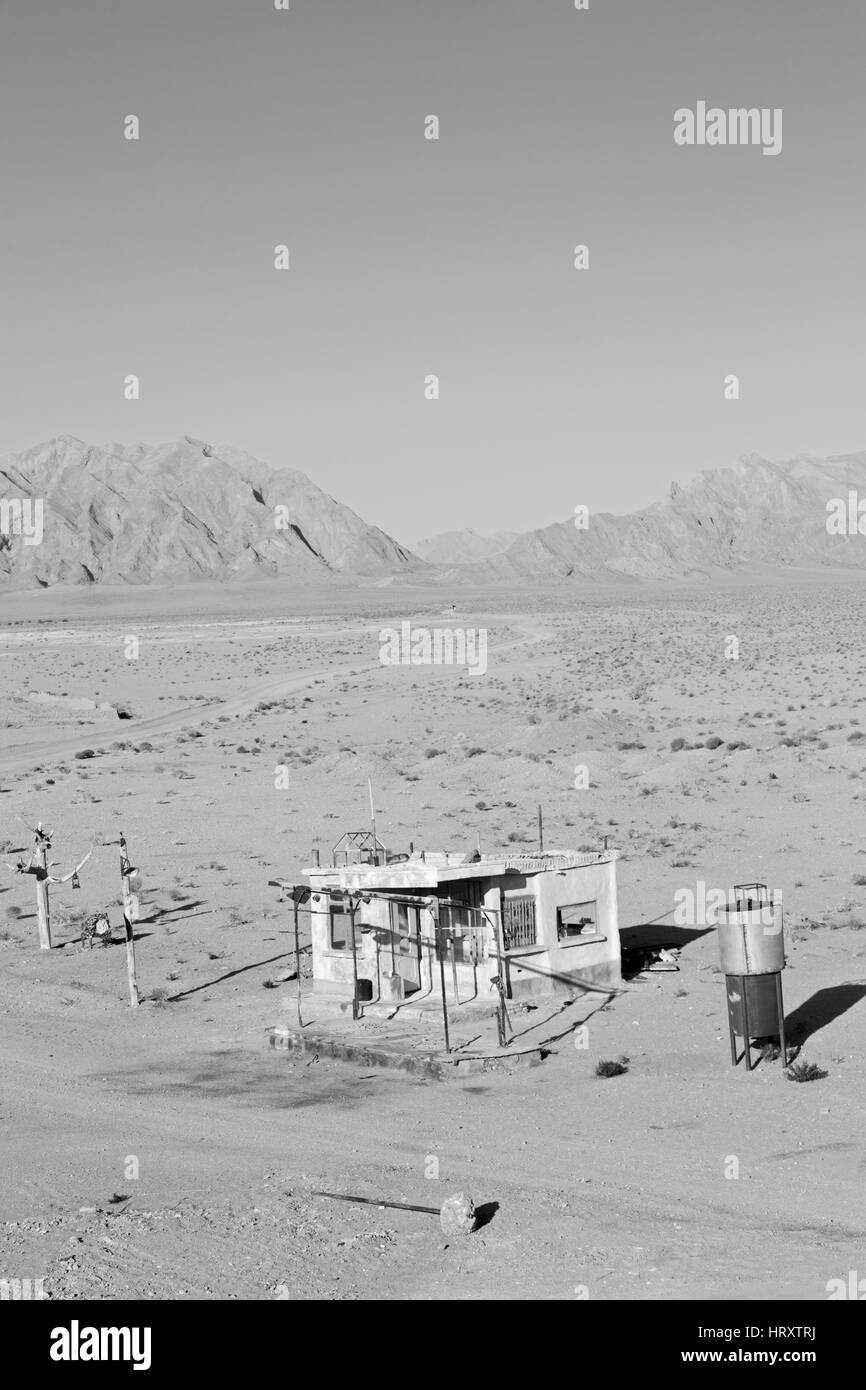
column 544, row 922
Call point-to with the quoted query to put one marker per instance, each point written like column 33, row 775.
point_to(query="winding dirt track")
column 20, row 757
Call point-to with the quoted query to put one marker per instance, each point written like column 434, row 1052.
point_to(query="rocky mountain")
column 172, row 513
column 463, row 547
column 753, row 514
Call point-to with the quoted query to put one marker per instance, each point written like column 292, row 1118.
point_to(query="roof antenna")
column 373, row 821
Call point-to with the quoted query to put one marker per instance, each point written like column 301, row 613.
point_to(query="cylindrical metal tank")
column 760, row 996
column 751, row 936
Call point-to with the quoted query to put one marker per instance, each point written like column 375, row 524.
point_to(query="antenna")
column 373, row 821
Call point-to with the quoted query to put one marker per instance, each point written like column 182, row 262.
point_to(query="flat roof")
column 443, row 867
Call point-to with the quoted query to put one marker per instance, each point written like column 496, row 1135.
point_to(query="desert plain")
column 167, row 1152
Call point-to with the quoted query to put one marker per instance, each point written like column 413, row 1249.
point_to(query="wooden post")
column 130, row 913
column 43, row 910
column 540, row 832
column 130, row 963
column 38, row 866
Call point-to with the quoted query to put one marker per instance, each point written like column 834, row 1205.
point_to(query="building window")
column 518, row 922
column 340, row 930
column 576, row 920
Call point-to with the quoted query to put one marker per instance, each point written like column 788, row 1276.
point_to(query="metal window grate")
column 518, row 922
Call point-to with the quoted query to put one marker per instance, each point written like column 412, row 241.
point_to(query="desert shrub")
column 805, row 1071
column 678, row 744
column 611, row 1069
column 714, row 742
column 86, row 753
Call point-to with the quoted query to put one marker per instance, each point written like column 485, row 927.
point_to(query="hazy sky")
column 453, row 257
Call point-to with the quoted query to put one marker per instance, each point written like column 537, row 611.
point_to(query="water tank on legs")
column 751, row 937
column 752, row 956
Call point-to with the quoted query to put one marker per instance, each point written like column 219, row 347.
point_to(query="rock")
column 457, row 1215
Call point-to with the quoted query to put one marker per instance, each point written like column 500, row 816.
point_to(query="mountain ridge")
column 188, row 510
column 182, row 511
column 752, row 513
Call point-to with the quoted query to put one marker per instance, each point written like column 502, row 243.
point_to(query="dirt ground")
column 169, row 1153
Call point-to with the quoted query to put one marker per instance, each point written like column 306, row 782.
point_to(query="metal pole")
column 453, row 953
column 731, row 1032
column 781, row 1011
column 297, row 960
column 747, row 1039
column 373, row 821
column 437, row 941
column 540, row 832
column 356, row 1012
column 500, row 1016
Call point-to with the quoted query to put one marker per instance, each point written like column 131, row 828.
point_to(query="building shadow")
column 641, row 942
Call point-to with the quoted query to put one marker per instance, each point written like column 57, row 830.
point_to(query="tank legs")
column 781, row 1008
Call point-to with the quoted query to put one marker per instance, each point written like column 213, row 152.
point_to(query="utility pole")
column 38, row 866
column 130, row 915
column 131, row 910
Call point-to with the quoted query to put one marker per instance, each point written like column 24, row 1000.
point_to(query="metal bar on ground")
column 377, row 1202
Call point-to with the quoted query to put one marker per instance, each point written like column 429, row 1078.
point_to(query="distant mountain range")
column 755, row 513
column 463, row 547
column 172, row 513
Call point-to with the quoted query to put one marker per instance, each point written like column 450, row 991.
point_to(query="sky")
column 455, row 257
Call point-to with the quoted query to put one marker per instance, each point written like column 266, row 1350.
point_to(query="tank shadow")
column 823, row 1007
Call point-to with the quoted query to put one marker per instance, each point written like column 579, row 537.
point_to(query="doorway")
column 406, row 945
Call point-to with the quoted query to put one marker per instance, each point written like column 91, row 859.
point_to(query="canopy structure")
column 359, row 847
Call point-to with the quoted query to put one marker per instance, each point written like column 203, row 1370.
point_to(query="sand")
column 606, row 1188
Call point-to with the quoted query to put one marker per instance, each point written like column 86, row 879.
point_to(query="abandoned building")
column 391, row 929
